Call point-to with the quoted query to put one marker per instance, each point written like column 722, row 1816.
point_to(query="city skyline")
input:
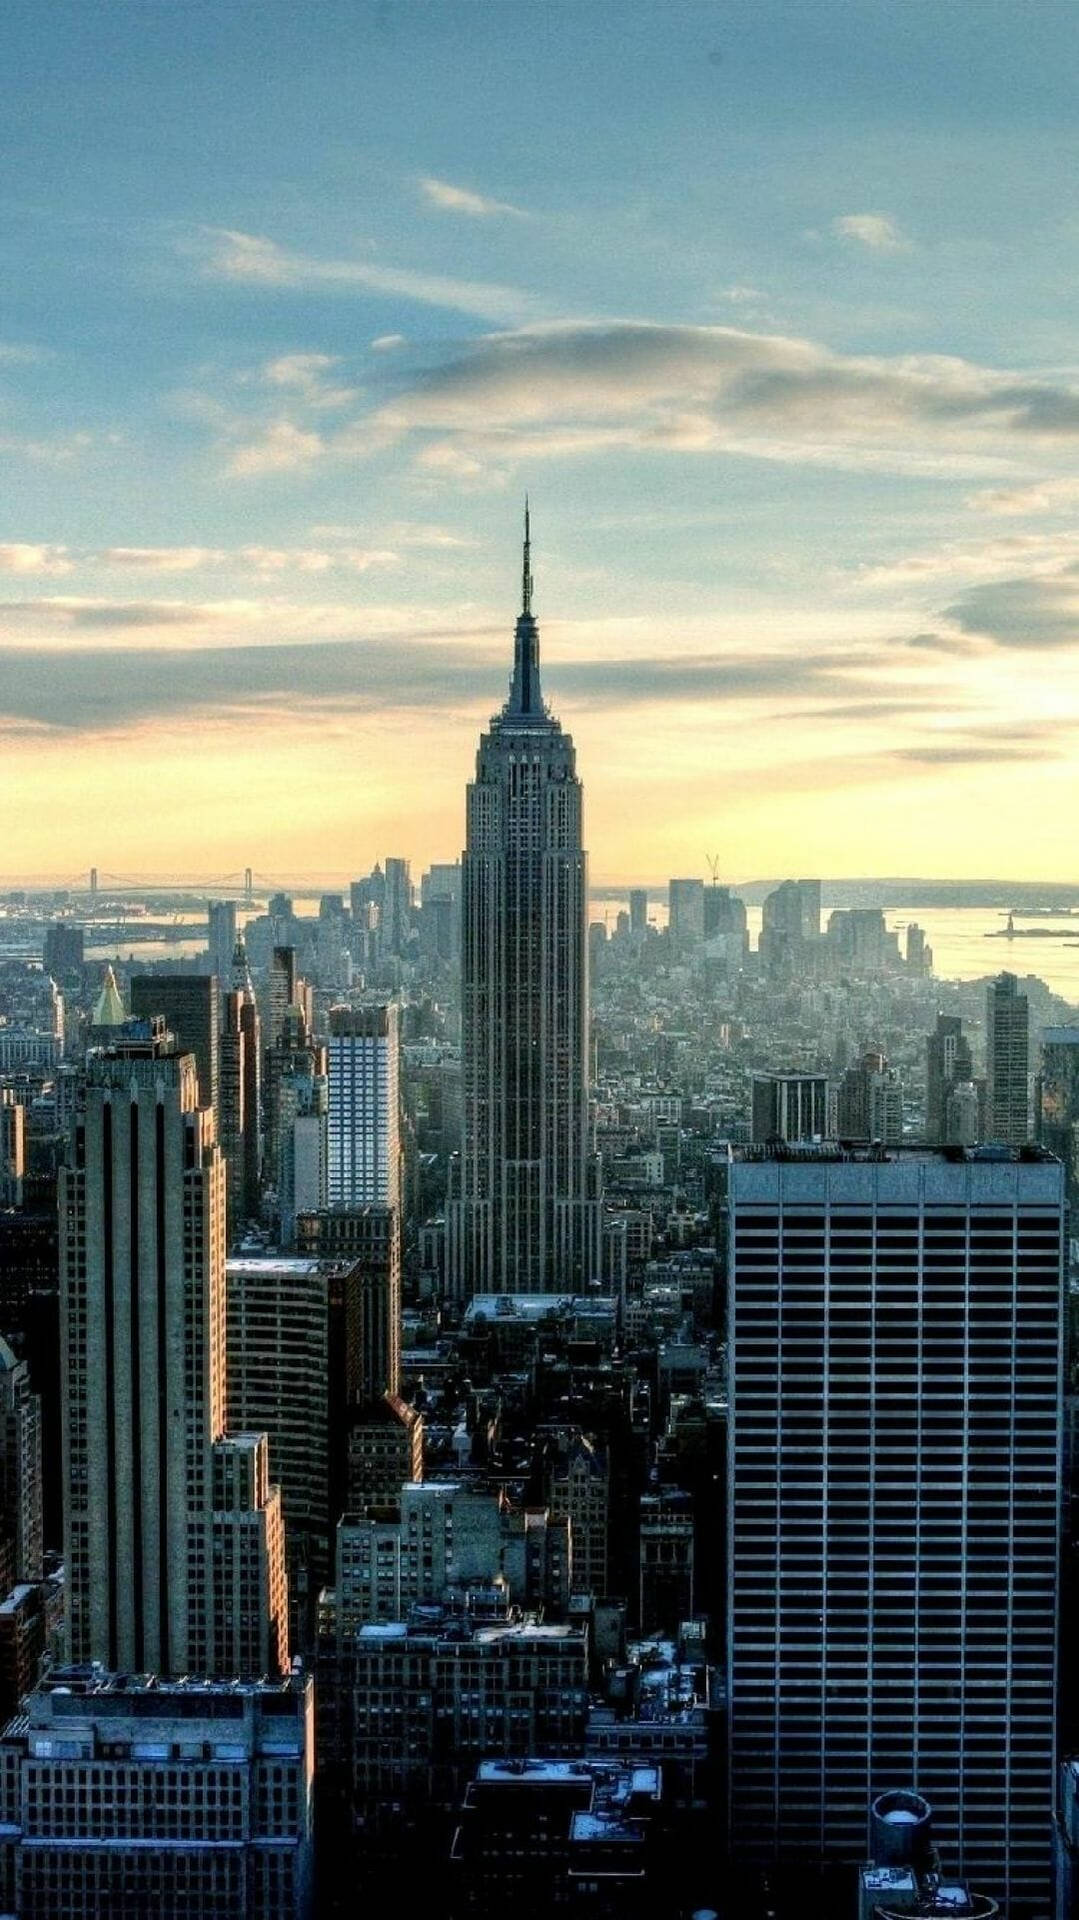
column 765, row 314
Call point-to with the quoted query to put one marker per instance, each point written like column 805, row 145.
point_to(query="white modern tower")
column 525, row 1213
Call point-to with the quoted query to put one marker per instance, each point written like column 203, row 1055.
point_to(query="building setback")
column 894, row 1436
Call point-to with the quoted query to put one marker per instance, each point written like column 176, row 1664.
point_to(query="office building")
column 364, row 1244
column 948, row 1064
column 221, row 939
column 281, row 1356
column 545, row 1836
column 685, row 913
column 665, row 1562
column 395, row 920
column 240, row 1129
column 155, row 1525
column 190, row 1003
column 893, row 1541
column 638, row 912
column 869, row 1103
column 21, row 1487
column 364, row 1139
column 63, row 953
column 136, row 1797
column 385, row 1449
column 790, row 1106
column 1007, row 1062
column 1057, row 1099
column 524, row 1214
column 12, row 1148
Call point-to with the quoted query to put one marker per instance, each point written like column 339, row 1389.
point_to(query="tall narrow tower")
column 525, row 1212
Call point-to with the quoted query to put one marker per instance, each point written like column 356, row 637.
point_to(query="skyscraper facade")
column 166, row 1552
column 364, row 1107
column 525, row 1215
column 1007, row 1062
column 190, row 1003
column 948, row 1063
column 892, row 1530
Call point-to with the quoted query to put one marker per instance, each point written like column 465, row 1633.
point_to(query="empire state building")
column 525, row 1214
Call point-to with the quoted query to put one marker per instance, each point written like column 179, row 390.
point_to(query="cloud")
column 305, row 374
column 248, row 260
column 282, row 447
column 877, row 232
column 160, row 559
column 70, row 688
column 22, row 557
column 386, row 342
column 1041, row 496
column 582, row 388
column 57, row 610
column 1041, row 610
column 15, row 354
column 961, row 754
column 449, row 199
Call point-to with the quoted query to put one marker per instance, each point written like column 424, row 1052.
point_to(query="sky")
column 770, row 308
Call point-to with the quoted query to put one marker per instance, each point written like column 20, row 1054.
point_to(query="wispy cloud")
column 307, row 375
column 876, row 232
column 281, row 447
column 20, row 556
column 1054, row 495
column 565, row 389
column 249, row 260
column 450, row 199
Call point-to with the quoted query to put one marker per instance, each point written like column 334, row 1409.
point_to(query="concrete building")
column 665, row 1561
column 538, row 1836
column 1007, row 1062
column 1056, row 1111
column 893, row 1542
column 142, row 1207
column 364, row 1243
column 363, row 1065
column 139, row 1797
column 524, row 1215
column 385, row 1448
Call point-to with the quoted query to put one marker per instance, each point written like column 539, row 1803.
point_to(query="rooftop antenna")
column 713, row 864
column 526, row 580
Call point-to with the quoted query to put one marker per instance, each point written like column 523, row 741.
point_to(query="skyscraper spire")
column 525, row 698
column 526, row 582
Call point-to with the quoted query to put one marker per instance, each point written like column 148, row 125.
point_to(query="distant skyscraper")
column 524, row 1214
column 190, row 1003
column 12, row 1148
column 172, row 1537
column 240, row 1130
column 894, row 1541
column 1007, row 1062
column 364, row 1119
column 948, row 1063
column 64, row 952
column 638, row 912
column 870, row 1102
column 685, row 912
column 221, row 939
column 396, row 921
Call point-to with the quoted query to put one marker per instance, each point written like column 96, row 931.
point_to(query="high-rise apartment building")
column 363, row 1067
column 1007, row 1062
column 524, row 1215
column 892, row 1534
column 190, row 1003
column 152, row 1531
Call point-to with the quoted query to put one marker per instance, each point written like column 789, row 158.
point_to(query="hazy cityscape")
column 539, row 961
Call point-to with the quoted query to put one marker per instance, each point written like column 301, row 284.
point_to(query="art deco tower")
column 525, row 1216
